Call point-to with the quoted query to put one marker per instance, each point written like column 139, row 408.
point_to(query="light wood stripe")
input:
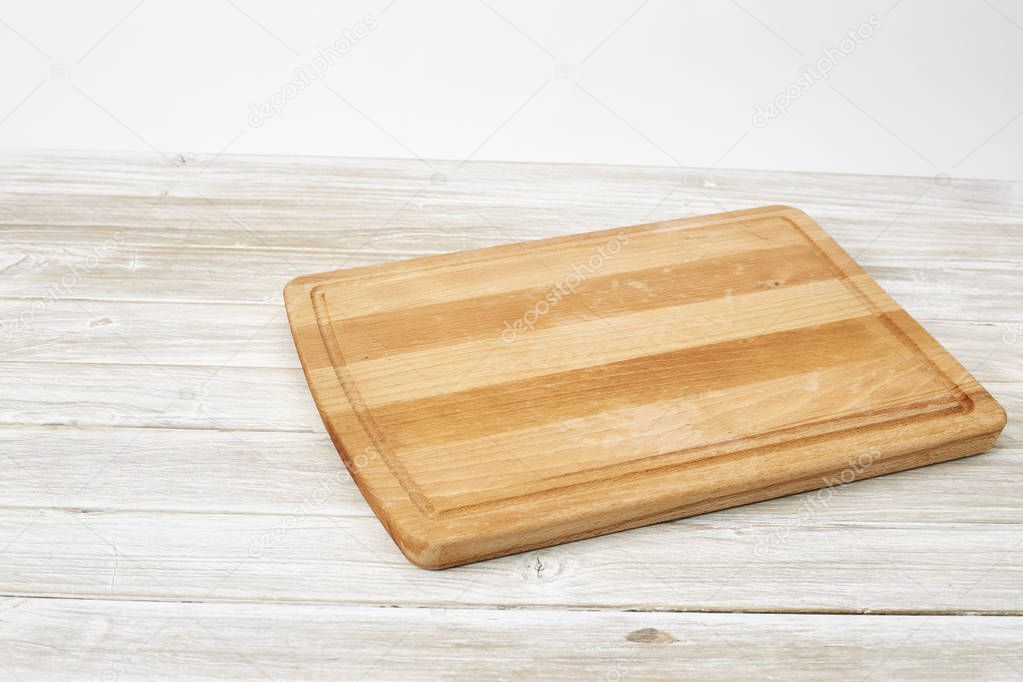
column 680, row 374
column 434, row 372
column 395, row 286
column 599, row 296
column 623, row 442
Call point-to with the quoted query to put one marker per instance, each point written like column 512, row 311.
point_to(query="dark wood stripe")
column 556, row 397
column 380, row 335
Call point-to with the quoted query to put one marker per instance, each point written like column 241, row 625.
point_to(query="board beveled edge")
column 438, row 543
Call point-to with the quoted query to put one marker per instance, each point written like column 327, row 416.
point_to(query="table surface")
column 171, row 505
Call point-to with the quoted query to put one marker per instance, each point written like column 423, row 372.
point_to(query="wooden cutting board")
column 499, row 400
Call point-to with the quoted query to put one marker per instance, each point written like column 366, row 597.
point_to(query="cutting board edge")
column 306, row 282
column 438, row 551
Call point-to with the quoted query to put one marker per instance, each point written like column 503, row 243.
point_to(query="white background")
column 937, row 89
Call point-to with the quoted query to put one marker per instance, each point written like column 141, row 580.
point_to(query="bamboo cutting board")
column 499, row 400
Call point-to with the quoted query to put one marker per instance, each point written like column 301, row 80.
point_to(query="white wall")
column 937, row 87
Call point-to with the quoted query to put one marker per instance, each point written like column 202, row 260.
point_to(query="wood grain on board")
column 494, row 401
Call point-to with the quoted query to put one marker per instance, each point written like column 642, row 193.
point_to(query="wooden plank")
column 239, row 399
column 645, row 388
column 175, row 276
column 156, row 396
column 34, row 270
column 59, row 330
column 61, row 199
column 729, row 561
column 103, row 469
column 146, row 333
column 954, row 288
column 110, row 639
column 167, row 273
column 155, row 469
column 992, row 351
column 949, row 291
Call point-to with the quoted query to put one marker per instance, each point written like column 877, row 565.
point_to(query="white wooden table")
column 170, row 503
